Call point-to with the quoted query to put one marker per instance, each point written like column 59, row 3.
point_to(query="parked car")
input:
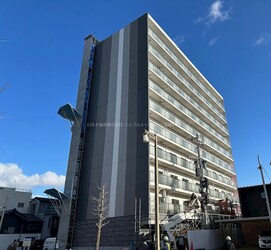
column 265, row 239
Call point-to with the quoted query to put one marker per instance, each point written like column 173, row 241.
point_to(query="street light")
column 146, row 139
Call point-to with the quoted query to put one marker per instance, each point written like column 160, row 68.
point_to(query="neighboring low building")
column 24, row 216
column 15, row 222
column 17, row 226
column 11, row 198
column 254, row 211
column 252, row 199
column 45, row 210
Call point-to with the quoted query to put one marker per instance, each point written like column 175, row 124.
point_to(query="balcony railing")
column 192, row 101
column 180, row 162
column 167, row 208
column 185, row 126
column 188, row 145
column 206, row 140
column 191, row 187
column 179, row 106
column 176, row 59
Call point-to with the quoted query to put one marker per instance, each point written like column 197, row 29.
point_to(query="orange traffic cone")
column 191, row 246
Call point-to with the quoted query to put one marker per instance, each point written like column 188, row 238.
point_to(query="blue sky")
column 41, row 45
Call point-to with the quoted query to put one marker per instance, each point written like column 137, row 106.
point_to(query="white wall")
column 7, row 239
column 10, row 197
column 205, row 239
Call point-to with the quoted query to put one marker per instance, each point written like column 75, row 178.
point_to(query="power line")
column 266, row 174
column 3, row 151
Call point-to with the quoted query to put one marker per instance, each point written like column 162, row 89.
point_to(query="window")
column 32, row 208
column 175, row 181
column 175, row 201
column 20, row 204
column 176, row 206
column 184, row 163
column 161, row 177
column 185, row 184
column 173, row 158
column 216, row 193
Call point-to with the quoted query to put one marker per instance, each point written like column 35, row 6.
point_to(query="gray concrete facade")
column 114, row 152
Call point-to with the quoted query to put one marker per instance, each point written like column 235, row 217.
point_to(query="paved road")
column 249, row 247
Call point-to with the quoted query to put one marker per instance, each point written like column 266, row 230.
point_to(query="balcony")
column 166, row 208
column 194, row 92
column 158, row 89
column 175, row 183
column 184, row 68
column 224, row 154
column 169, row 208
column 188, row 129
column 188, row 146
column 182, row 163
column 191, row 187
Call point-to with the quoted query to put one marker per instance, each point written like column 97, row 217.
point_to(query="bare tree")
column 100, row 209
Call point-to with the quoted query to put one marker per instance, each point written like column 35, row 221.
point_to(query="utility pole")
column 264, row 188
column 200, row 164
column 3, row 212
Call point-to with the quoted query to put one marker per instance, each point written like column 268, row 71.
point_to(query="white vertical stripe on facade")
column 114, row 173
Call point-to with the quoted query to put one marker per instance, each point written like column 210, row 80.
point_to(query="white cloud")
column 4, row 41
column 264, row 39
column 213, row 41
column 179, row 39
column 199, row 20
column 2, row 116
column 11, row 175
column 215, row 14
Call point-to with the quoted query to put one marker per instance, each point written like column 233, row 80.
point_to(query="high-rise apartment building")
column 134, row 80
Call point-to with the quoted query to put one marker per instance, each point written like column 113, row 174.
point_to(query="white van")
column 50, row 244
